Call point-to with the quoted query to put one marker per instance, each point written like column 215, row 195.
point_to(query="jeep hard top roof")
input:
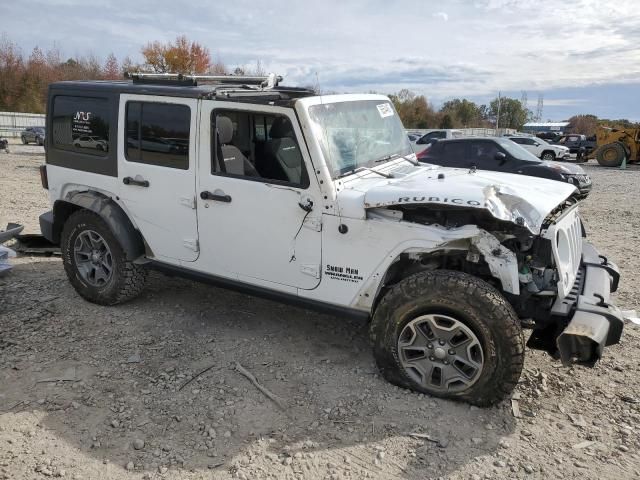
column 247, row 89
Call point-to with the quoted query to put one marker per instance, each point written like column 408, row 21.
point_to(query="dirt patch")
column 97, row 392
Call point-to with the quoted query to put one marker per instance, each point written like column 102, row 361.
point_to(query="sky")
column 582, row 56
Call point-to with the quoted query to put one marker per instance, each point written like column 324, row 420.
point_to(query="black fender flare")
column 114, row 216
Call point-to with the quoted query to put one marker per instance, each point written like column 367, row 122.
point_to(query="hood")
column 523, row 200
column 568, row 168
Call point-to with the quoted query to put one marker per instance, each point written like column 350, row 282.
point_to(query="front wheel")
column 95, row 262
column 611, row 155
column 549, row 156
column 448, row 334
column 24, row 140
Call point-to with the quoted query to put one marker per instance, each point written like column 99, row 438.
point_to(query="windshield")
column 516, row 150
column 358, row 134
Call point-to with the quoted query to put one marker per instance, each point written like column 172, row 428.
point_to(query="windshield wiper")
column 359, row 169
column 397, row 155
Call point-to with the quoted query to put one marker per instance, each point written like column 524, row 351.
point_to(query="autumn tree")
column 111, row 69
column 414, row 110
column 181, row 56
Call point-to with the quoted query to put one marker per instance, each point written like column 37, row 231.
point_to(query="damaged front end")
column 556, row 281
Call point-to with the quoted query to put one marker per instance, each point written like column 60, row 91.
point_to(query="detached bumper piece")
column 595, row 323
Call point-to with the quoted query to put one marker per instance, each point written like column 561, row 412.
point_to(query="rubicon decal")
column 346, row 274
column 456, row 201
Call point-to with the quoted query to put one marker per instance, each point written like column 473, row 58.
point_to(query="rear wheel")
column 611, row 155
column 95, row 263
column 448, row 334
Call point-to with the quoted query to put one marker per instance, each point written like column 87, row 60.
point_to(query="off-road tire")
column 472, row 301
column 611, row 155
column 548, row 155
column 127, row 279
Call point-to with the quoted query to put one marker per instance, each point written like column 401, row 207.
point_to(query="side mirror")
column 500, row 156
column 536, row 144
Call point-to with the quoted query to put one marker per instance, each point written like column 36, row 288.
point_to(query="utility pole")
column 498, row 115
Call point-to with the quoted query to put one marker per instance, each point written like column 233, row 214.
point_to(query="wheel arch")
column 113, row 215
column 479, row 254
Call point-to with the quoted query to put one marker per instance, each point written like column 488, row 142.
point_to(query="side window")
column 483, row 151
column 158, row 134
column 76, row 117
column 453, row 152
column 519, row 141
column 256, row 146
column 529, row 141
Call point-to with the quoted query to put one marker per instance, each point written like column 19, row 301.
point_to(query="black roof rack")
column 260, row 81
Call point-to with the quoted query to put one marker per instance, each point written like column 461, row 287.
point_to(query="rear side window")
column 158, row 134
column 453, row 151
column 81, row 124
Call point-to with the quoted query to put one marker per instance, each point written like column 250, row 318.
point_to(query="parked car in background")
column 413, row 137
column 574, row 142
column 33, row 135
column 93, row 142
column 550, row 137
column 429, row 137
column 502, row 155
column 541, row 148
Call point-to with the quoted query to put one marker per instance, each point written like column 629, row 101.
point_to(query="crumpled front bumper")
column 594, row 323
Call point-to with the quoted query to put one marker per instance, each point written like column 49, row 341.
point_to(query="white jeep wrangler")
column 319, row 201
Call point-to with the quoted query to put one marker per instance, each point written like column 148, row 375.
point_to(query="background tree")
column 512, row 113
column 181, row 56
column 111, row 69
column 446, row 121
column 462, row 112
column 414, row 110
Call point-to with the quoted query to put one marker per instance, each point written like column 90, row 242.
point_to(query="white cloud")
column 361, row 45
column 441, row 15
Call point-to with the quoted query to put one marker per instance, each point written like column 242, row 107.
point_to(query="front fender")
column 502, row 262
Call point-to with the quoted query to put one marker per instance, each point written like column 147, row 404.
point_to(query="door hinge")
column 191, row 244
column 314, row 223
column 311, row 270
column 188, row 201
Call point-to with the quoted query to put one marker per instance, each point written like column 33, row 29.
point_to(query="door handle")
column 133, row 181
column 213, row 196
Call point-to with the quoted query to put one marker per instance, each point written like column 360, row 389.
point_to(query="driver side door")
column 258, row 199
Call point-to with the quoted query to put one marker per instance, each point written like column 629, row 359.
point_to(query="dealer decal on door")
column 346, row 274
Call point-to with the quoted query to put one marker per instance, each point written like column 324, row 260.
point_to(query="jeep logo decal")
column 457, row 201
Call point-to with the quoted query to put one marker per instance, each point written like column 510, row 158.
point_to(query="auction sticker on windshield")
column 385, row 110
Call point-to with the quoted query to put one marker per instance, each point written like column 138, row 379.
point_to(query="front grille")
column 565, row 234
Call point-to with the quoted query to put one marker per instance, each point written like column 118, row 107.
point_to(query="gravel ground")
column 92, row 392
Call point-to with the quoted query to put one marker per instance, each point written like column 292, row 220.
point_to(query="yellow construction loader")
column 615, row 145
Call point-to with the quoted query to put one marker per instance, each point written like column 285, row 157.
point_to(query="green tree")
column 463, row 112
column 512, row 113
column 446, row 121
